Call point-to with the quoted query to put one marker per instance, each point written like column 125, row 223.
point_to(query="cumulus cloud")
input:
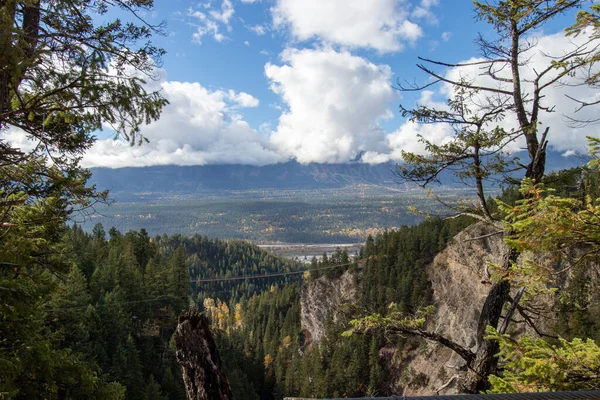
column 334, row 101
column 211, row 21
column 242, row 99
column 331, row 105
column 382, row 25
column 406, row 138
column 199, row 126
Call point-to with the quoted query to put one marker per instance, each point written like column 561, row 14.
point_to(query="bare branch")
column 445, row 385
column 511, row 311
column 530, row 322
column 484, row 236
column 462, row 84
column 465, row 353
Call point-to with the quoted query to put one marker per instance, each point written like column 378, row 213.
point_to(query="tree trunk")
column 486, row 361
column 7, row 18
column 200, row 362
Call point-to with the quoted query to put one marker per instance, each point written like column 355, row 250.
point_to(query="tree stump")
column 201, row 365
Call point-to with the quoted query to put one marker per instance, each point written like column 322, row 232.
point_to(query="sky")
column 264, row 81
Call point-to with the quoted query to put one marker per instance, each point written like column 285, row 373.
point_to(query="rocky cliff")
column 460, row 285
column 323, row 297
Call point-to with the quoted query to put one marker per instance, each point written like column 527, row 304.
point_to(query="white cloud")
column 19, row 140
column 423, row 11
column 211, row 21
column 382, row 25
column 225, row 14
column 199, row 126
column 247, row 43
column 446, row 36
column 425, row 14
column 258, row 29
column 334, row 101
column 429, row 3
column 406, row 138
column 242, row 99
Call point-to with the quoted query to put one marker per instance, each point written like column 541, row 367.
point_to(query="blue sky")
column 259, row 82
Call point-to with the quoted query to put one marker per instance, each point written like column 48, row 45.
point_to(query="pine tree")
column 375, row 369
column 179, row 279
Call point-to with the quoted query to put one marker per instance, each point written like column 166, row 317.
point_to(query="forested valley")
column 102, row 328
column 108, row 318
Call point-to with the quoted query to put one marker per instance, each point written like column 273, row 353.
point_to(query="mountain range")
column 290, row 175
column 193, row 179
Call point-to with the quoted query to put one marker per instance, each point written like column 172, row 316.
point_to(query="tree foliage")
column 63, row 76
column 494, row 88
column 545, row 223
column 534, row 365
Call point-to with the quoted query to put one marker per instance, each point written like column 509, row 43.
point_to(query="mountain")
column 193, row 179
column 185, row 180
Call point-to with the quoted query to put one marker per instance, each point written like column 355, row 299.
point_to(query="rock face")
column 323, row 297
column 460, row 285
column 200, row 363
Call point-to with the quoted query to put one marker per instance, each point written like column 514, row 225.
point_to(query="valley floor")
column 325, row 216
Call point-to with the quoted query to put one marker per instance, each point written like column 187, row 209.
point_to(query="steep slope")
column 315, row 306
column 459, row 285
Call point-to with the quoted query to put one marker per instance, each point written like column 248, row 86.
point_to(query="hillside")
column 288, row 342
column 102, row 326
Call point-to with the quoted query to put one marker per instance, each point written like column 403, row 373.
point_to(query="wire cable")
column 212, row 280
column 261, row 276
